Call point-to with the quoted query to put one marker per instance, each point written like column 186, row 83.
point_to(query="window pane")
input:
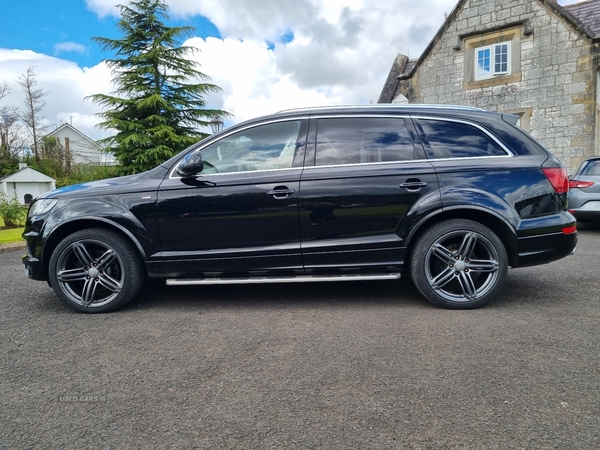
column 362, row 140
column 264, row 147
column 458, row 140
column 483, row 63
column 501, row 58
column 591, row 168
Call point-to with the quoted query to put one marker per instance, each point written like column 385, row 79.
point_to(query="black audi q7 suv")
column 452, row 196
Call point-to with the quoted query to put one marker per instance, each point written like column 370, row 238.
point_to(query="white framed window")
column 492, row 60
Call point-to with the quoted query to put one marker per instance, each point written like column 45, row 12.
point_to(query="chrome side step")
column 290, row 279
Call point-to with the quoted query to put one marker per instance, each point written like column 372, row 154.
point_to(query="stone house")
column 26, row 184
column 533, row 58
column 82, row 149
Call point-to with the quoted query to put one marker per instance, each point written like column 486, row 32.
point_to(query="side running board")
column 290, row 279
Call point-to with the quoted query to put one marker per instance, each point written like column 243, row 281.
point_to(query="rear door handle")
column 281, row 192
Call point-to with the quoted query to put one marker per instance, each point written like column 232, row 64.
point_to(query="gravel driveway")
column 336, row 366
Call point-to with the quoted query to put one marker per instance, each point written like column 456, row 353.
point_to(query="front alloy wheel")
column 459, row 264
column 95, row 270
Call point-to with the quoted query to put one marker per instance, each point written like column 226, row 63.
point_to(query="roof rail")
column 383, row 105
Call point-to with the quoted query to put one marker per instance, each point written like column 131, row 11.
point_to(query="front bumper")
column 34, row 268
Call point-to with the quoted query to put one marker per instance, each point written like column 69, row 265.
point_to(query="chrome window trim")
column 410, row 161
column 406, row 162
column 218, row 174
column 479, row 127
column 172, row 173
column 324, row 115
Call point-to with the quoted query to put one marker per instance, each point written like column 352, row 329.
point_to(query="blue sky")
column 266, row 55
column 64, row 28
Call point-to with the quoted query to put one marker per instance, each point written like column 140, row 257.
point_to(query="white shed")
column 26, row 184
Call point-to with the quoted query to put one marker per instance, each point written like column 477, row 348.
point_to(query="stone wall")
column 552, row 85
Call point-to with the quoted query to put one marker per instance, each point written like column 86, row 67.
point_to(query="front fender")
column 135, row 219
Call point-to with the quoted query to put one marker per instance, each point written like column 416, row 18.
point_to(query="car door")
column 364, row 186
column 240, row 213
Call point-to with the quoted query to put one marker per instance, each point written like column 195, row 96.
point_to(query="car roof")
column 386, row 108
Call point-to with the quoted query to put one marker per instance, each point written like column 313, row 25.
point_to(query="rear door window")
column 362, row 140
column 448, row 139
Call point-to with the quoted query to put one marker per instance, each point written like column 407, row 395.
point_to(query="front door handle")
column 413, row 185
column 281, row 192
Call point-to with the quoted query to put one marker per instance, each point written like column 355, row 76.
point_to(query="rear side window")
column 591, row 168
column 457, row 140
column 362, row 140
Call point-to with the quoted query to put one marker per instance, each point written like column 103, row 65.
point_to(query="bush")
column 83, row 173
column 13, row 214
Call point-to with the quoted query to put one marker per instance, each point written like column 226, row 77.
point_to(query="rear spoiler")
column 513, row 119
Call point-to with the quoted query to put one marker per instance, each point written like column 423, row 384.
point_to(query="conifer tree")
column 158, row 104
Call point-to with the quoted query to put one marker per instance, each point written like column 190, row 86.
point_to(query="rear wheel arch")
column 485, row 217
column 459, row 264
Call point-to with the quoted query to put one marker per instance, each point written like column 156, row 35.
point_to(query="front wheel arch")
column 69, row 227
column 95, row 270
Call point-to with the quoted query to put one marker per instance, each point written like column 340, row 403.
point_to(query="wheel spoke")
column 467, row 286
column 109, row 283
column 68, row 275
column 106, row 259
column 442, row 253
column 467, row 245
column 82, row 254
column 89, row 291
column 483, row 265
column 442, row 279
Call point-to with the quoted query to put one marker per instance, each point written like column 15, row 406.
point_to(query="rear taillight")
column 580, row 184
column 570, row 230
column 558, row 179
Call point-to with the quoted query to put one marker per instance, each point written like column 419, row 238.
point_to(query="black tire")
column 96, row 270
column 459, row 264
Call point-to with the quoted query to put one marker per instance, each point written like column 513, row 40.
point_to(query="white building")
column 82, row 149
column 26, row 184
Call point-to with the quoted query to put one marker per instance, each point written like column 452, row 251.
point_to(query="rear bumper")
column 546, row 248
column 545, row 239
column 586, row 214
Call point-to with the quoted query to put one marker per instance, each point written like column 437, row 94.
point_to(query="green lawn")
column 12, row 235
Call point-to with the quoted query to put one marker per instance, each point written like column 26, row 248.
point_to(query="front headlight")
column 42, row 206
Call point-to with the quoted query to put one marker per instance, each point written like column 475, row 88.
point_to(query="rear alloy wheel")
column 459, row 264
column 95, row 270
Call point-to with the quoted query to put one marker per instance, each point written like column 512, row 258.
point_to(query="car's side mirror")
column 191, row 165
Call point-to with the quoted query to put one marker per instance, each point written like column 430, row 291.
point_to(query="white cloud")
column 340, row 53
column 103, row 7
column 325, row 52
column 63, row 47
column 66, row 85
column 252, row 83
